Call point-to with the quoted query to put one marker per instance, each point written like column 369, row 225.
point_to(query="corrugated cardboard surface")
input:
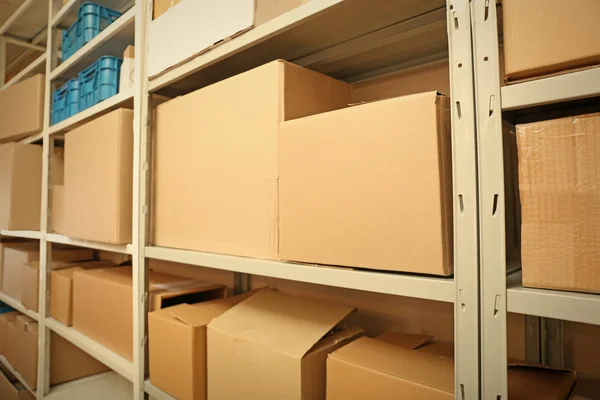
column 22, row 109
column 13, row 258
column 20, row 186
column 426, row 78
column 415, row 367
column 109, row 321
column 4, row 318
column 11, row 389
column 98, row 178
column 216, row 172
column 114, row 258
column 12, row 352
column 376, row 189
column 534, row 46
column 59, row 215
column 275, row 347
column 177, row 346
column 560, row 200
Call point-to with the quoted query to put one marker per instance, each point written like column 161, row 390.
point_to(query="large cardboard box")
column 559, row 188
column 11, row 388
column 275, row 345
column 59, row 214
column 20, row 185
column 216, row 173
column 532, row 44
column 399, row 366
column 4, row 319
column 99, row 179
column 177, row 346
column 67, row 362
column 383, row 174
column 16, row 274
column 22, row 109
column 61, row 290
column 12, row 342
column 103, row 302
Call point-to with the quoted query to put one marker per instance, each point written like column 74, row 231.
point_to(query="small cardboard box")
column 110, row 321
column 20, row 185
column 559, row 188
column 216, row 173
column 127, row 74
column 11, row 388
column 22, row 109
column 399, row 366
column 66, row 364
column 532, row 44
column 14, row 256
column 177, row 346
column 61, row 290
column 4, row 319
column 98, row 179
column 383, row 172
column 275, row 345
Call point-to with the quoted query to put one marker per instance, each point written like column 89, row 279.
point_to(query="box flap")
column 399, row 362
column 406, row 340
column 288, row 324
column 533, row 381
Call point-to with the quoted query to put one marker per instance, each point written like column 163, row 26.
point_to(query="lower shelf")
column 22, row 234
column 115, row 248
column 109, row 385
column 109, row 358
column 9, row 367
column 155, row 393
column 16, row 304
column 399, row 284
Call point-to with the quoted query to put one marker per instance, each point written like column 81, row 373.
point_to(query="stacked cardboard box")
column 110, row 321
column 535, row 46
column 11, row 388
column 98, row 181
column 233, row 178
column 560, row 201
column 22, row 109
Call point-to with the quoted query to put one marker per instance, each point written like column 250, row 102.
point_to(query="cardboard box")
column 4, row 319
column 110, row 321
column 61, row 290
column 532, row 44
column 383, row 172
column 275, row 345
column 18, row 278
column 114, row 258
column 22, row 109
column 215, row 170
column 209, row 22
column 127, row 74
column 12, row 342
column 414, row 367
column 58, row 166
column 12, row 389
column 67, row 362
column 59, row 214
column 98, row 179
column 560, row 202
column 177, row 346
column 20, row 185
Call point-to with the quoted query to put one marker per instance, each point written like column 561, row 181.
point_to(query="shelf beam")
column 22, row 234
column 37, row 66
column 155, row 392
column 16, row 304
column 15, row 16
column 16, row 374
column 115, row 248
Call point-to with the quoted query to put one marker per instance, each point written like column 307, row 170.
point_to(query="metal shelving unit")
column 500, row 293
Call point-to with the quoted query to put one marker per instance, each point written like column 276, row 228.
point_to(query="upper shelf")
column 565, row 87
column 28, row 20
column 568, row 306
column 347, row 39
column 65, row 17
column 399, row 284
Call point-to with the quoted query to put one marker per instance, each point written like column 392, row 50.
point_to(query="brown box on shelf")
column 67, row 362
column 114, row 258
column 110, row 321
column 11, row 388
column 20, row 186
column 216, row 171
column 177, row 346
column 61, row 290
column 98, row 179
column 533, row 46
column 12, row 342
column 276, row 346
column 383, row 172
column 415, row 367
column 22, row 109
column 59, row 215
column 560, row 202
column 4, row 319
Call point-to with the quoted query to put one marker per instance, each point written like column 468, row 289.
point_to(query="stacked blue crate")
column 99, row 81
column 65, row 101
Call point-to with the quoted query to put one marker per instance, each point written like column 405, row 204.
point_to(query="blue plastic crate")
column 99, row 81
column 5, row 308
column 91, row 20
column 65, row 101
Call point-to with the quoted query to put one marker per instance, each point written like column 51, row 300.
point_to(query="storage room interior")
column 299, row 199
